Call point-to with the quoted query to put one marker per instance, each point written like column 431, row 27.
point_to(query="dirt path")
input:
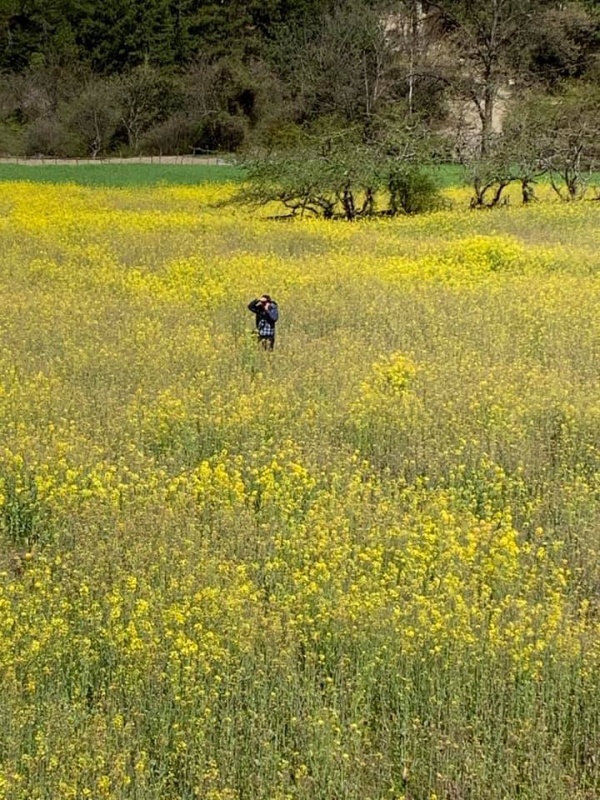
column 204, row 161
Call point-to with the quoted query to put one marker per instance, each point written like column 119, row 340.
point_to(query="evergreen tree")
column 121, row 34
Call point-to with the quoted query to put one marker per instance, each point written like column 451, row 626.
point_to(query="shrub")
column 11, row 139
column 174, row 136
column 222, row 132
column 412, row 191
column 49, row 136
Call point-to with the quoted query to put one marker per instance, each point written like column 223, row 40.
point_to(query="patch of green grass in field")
column 124, row 175
column 447, row 175
column 130, row 175
column 121, row 175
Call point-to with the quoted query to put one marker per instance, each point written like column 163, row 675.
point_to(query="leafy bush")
column 174, row 136
column 49, row 136
column 11, row 139
column 222, row 132
column 413, row 191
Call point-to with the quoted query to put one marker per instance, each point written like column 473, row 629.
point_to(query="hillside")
column 84, row 79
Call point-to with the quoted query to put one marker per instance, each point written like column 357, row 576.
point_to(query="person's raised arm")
column 254, row 306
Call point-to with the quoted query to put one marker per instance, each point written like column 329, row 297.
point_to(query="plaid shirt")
column 265, row 323
column 264, row 326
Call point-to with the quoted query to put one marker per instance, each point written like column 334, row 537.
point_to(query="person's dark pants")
column 267, row 342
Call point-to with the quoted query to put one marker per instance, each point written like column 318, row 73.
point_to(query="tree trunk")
column 416, row 13
column 487, row 116
column 348, row 203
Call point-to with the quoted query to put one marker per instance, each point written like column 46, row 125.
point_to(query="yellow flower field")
column 365, row 566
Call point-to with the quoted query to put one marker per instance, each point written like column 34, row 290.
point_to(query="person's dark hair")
column 268, row 297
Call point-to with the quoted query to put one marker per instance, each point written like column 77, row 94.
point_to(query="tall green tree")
column 566, row 43
column 37, row 30
column 120, row 34
column 236, row 27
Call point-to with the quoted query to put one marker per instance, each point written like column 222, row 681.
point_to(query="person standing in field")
column 267, row 314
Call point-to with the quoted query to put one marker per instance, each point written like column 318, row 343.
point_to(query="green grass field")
column 134, row 174
column 131, row 175
column 120, row 175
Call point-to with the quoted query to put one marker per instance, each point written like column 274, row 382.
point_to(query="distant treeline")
column 83, row 78
column 114, row 35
